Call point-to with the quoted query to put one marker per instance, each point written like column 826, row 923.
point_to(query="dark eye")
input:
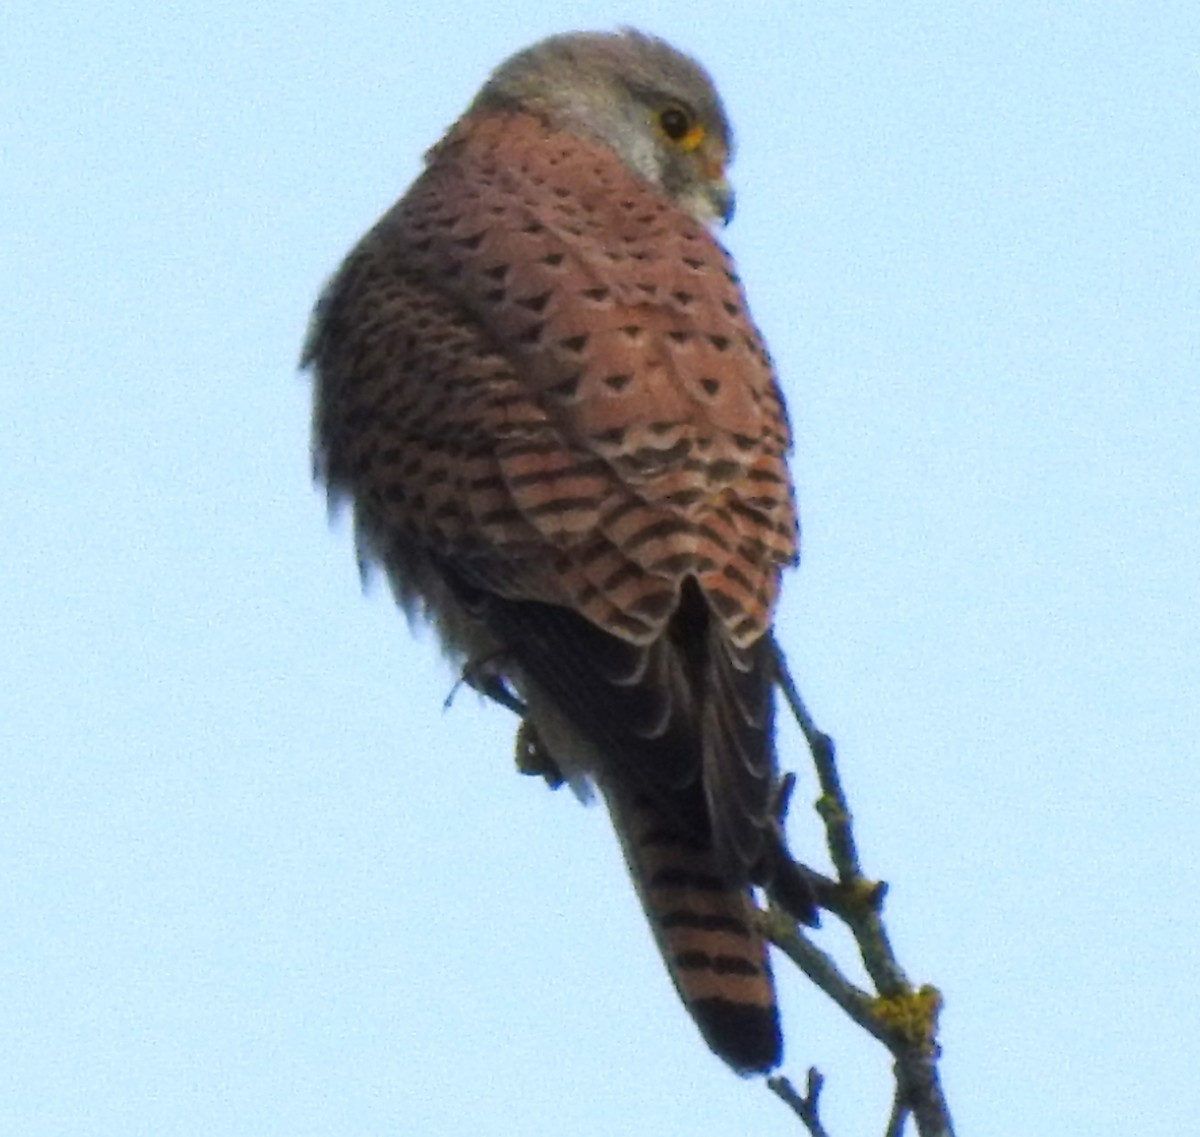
column 675, row 122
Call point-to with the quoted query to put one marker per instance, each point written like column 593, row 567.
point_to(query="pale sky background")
column 254, row 880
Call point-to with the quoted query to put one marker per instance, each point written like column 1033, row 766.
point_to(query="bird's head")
column 655, row 107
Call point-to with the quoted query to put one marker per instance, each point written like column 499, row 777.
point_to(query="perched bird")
column 539, row 386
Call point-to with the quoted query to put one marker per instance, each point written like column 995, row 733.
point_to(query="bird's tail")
column 706, row 932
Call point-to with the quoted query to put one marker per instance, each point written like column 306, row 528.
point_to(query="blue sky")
column 255, row 880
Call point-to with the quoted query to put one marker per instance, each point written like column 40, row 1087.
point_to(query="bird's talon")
column 534, row 759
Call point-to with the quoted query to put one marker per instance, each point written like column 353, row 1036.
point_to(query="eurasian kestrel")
column 538, row 383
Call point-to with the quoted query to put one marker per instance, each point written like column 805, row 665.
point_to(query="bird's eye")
column 675, row 122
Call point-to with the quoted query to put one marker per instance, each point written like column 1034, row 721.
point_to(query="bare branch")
column 904, row 1019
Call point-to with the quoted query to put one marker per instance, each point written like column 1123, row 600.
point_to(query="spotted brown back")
column 627, row 425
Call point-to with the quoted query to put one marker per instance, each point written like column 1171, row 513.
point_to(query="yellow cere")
column 692, row 139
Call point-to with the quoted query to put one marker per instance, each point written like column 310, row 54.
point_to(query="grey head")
column 655, row 107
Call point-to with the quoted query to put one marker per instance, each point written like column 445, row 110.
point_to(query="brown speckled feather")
column 538, row 382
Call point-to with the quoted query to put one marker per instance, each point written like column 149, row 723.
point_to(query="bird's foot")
column 484, row 676
column 534, row 759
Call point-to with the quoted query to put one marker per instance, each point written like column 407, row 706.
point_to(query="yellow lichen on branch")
column 912, row 1016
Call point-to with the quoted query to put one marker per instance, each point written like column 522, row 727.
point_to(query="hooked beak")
column 706, row 192
column 723, row 198
column 713, row 159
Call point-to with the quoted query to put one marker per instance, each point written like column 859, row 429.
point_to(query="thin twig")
column 822, row 970
column 899, row 1116
column 804, row 1106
